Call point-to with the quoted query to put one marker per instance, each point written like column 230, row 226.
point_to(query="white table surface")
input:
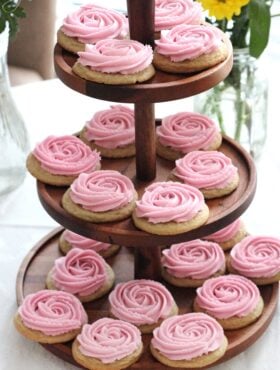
column 51, row 108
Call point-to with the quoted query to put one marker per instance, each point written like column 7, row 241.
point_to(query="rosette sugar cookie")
column 189, row 48
column 230, row 235
column 49, row 316
column 90, row 24
column 83, row 273
column 212, row 172
column 111, row 132
column 144, row 303
column 189, row 264
column 69, row 240
column 185, row 132
column 192, row 340
column 234, row 301
column 58, row 160
column 170, row 208
column 107, row 344
column 170, row 13
column 102, row 196
column 257, row 258
column 115, row 62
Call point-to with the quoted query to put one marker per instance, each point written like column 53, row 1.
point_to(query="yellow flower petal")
column 221, row 9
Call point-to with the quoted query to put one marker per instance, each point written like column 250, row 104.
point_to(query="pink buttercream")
column 188, row 336
column 79, row 241
column 170, row 13
column 186, row 42
column 112, row 128
column 109, row 340
column 169, row 201
column 117, row 56
column 196, row 259
column 225, row 233
column 66, row 155
column 205, row 169
column 256, row 256
column 102, row 191
column 80, row 272
column 52, row 312
column 141, row 302
column 92, row 23
column 186, row 131
column 227, row 296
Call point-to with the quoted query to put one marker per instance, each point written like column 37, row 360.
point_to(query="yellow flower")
column 221, row 9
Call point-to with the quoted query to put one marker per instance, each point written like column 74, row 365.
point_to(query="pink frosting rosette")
column 225, row 233
column 52, row 312
column 169, row 201
column 196, row 259
column 92, row 23
column 187, row 42
column 66, row 155
column 170, row 13
column 256, row 256
column 80, row 272
column 117, row 56
column 79, row 241
column 141, row 302
column 112, row 128
column 205, row 169
column 188, row 336
column 102, row 191
column 109, row 340
column 186, row 131
column 228, row 295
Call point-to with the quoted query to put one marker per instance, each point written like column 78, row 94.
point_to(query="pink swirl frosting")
column 112, row 128
column 170, row 13
column 196, row 259
column 256, row 256
column 188, row 42
column 109, row 340
column 66, row 155
column 52, row 312
column 169, row 201
column 80, row 272
column 227, row 296
column 186, row 131
column 141, row 302
column 225, row 233
column 102, row 190
column 188, row 336
column 92, row 23
column 205, row 169
column 79, row 241
column 117, row 56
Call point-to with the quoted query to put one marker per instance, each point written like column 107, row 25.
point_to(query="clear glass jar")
column 239, row 103
column 14, row 143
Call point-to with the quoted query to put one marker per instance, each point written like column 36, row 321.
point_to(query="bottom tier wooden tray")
column 32, row 274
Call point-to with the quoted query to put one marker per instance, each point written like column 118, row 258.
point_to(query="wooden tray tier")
column 162, row 87
column 32, row 274
column 222, row 210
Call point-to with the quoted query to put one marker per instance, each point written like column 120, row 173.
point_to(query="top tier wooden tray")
column 162, row 87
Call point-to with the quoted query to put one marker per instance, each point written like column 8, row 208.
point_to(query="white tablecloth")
column 51, row 108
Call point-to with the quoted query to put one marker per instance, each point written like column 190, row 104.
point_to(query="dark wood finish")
column 137, row 11
column 145, row 141
column 147, row 263
column 162, row 87
column 222, row 210
column 32, row 274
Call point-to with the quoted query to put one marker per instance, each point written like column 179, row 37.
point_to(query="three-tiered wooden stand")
column 142, row 260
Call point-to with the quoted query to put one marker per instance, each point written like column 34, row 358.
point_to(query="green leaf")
column 259, row 23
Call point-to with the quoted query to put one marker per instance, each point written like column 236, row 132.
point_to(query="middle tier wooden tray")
column 223, row 210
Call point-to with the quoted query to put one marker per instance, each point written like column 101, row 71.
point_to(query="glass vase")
column 239, row 103
column 14, row 143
